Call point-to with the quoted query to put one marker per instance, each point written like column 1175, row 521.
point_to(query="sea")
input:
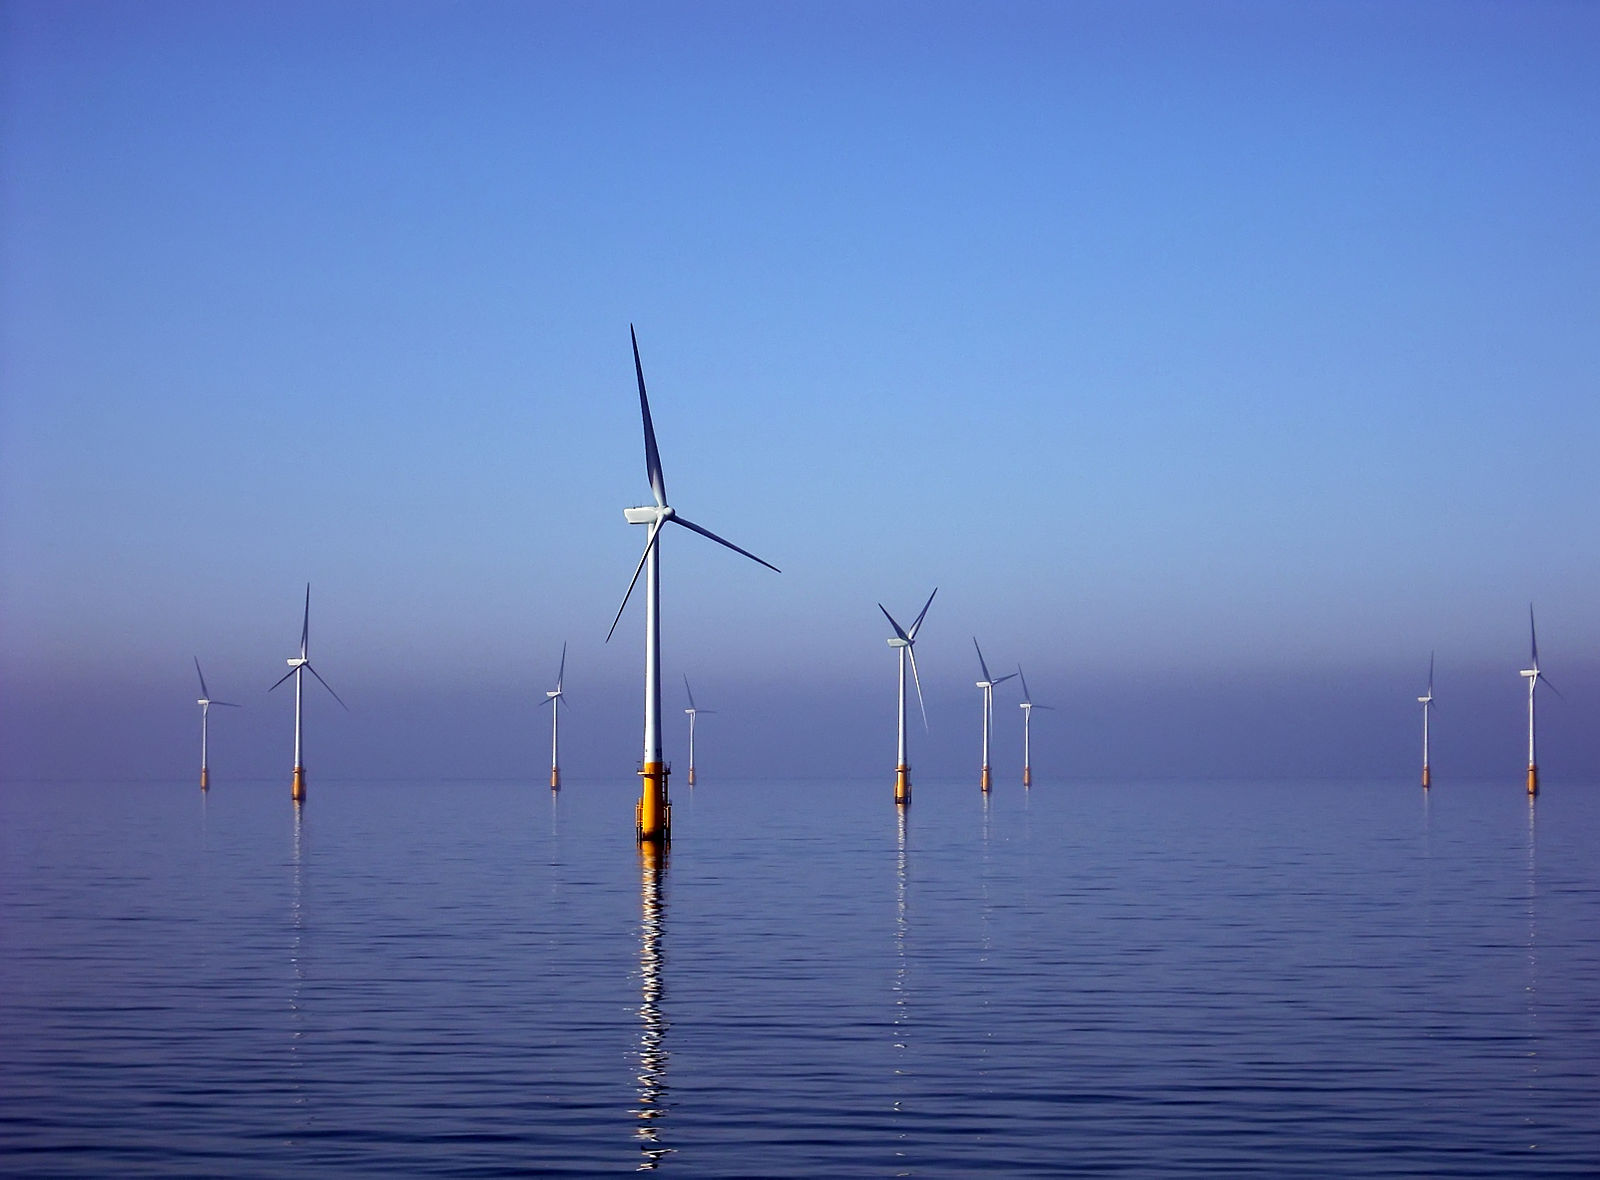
column 1083, row 978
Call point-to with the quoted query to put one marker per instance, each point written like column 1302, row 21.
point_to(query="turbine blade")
column 562, row 671
column 917, row 680
column 1003, row 679
column 227, row 704
column 203, row 690
column 548, row 700
column 981, row 662
column 652, row 457
column 1430, row 673
column 282, row 678
column 327, row 686
column 1550, row 686
column 898, row 630
column 305, row 625
column 655, row 529
column 917, row 622
column 1533, row 637
column 1046, row 708
column 688, row 690
column 1026, row 698
column 705, row 532
column 705, row 710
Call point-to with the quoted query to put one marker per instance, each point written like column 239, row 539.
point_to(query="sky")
column 1217, row 362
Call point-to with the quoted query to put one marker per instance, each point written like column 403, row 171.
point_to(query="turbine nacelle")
column 297, row 661
column 648, row 514
column 896, row 641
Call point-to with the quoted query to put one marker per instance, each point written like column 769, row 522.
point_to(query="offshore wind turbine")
column 1534, row 676
column 1427, row 707
column 298, row 665
column 1027, row 707
column 987, row 684
column 653, row 816
column 905, row 639
column 693, row 712
column 205, row 702
column 556, row 703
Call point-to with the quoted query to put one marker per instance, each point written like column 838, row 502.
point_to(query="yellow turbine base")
column 205, row 779
column 652, row 818
column 1427, row 779
column 902, row 785
column 985, row 780
column 1027, row 776
column 298, row 791
column 555, row 778
column 1533, row 779
column 691, row 776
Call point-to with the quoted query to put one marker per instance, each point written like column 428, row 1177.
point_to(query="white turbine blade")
column 282, row 678
column 655, row 530
column 305, row 626
column 705, row 532
column 652, row 457
column 203, row 690
column 898, row 630
column 915, row 679
column 981, row 662
column 921, row 614
column 327, row 686
column 562, row 671
column 688, row 690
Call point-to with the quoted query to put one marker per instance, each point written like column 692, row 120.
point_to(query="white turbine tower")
column 297, row 665
column 693, row 712
column 557, row 703
column 905, row 639
column 1027, row 707
column 1534, row 676
column 987, row 684
column 653, row 817
column 1427, row 707
column 205, row 702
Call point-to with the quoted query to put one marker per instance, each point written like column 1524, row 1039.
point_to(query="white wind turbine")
column 1427, row 707
column 205, row 702
column 1534, row 676
column 905, row 639
column 1027, row 707
column 653, row 817
column 693, row 712
column 297, row 665
column 557, row 703
column 987, row 684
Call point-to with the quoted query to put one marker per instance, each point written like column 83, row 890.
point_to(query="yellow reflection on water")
column 652, row 1108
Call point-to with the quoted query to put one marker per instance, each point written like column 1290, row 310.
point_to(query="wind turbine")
column 297, row 665
column 205, row 702
column 1534, row 676
column 653, row 817
column 1027, row 707
column 555, row 701
column 692, row 711
column 987, row 684
column 1427, row 707
column 905, row 639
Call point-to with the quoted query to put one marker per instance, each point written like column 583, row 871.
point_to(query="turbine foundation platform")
column 205, row 779
column 653, row 815
column 298, row 791
column 1027, row 776
column 902, row 785
column 691, row 776
column 1533, row 779
column 985, row 780
column 1427, row 779
column 555, row 779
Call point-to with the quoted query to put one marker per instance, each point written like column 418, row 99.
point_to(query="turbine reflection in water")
column 1532, row 991
column 652, row 1075
column 296, row 952
column 901, row 995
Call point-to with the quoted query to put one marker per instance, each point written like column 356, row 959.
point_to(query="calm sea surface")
column 477, row 978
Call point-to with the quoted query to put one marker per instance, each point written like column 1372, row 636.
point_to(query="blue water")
column 475, row 979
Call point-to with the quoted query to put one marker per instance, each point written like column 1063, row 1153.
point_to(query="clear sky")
column 1217, row 361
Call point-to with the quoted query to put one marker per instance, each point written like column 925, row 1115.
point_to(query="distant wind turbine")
column 557, row 703
column 1427, row 707
column 693, row 712
column 1027, row 707
column 653, row 817
column 297, row 665
column 205, row 702
column 905, row 640
column 987, row 684
column 1534, row 676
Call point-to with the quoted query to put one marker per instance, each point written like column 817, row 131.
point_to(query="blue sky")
column 1216, row 361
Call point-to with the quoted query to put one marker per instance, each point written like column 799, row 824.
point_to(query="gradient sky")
column 1217, row 362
